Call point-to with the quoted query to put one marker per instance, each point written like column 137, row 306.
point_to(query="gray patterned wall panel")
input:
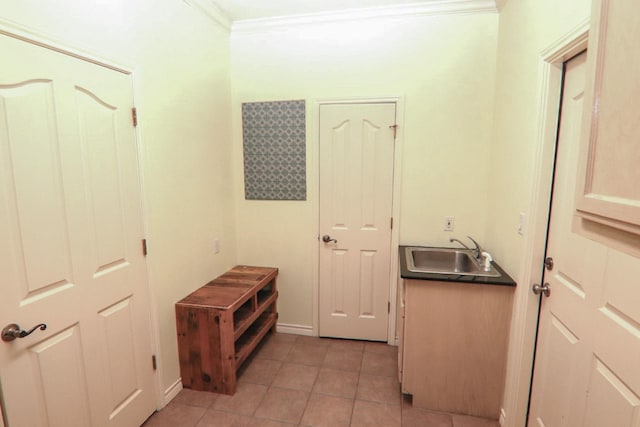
column 274, row 150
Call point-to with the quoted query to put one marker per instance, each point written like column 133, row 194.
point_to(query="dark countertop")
column 503, row 280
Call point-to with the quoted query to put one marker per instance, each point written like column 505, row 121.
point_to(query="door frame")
column 3, row 419
column 398, row 100
column 524, row 324
column 38, row 38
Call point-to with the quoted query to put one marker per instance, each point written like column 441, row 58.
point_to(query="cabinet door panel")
column 607, row 190
column 455, row 343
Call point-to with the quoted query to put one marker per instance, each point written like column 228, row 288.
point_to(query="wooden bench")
column 221, row 323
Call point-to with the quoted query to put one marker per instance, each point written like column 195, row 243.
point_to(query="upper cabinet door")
column 608, row 190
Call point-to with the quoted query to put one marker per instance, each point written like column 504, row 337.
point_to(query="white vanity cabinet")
column 453, row 346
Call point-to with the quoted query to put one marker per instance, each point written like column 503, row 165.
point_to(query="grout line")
column 355, row 396
column 200, row 419
column 306, row 405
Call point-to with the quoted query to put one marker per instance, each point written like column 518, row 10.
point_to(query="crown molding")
column 569, row 45
column 211, row 11
column 439, row 7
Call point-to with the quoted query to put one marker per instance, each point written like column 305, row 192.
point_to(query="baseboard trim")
column 172, row 392
column 503, row 418
column 287, row 328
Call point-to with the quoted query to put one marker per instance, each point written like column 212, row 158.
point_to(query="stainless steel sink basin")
column 445, row 261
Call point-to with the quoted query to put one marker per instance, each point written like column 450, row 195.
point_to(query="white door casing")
column 356, row 192
column 586, row 370
column 70, row 217
column 549, row 407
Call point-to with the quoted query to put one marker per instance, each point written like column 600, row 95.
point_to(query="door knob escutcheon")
column 326, row 238
column 13, row 331
column 544, row 289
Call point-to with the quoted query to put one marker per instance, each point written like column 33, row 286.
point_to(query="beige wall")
column 180, row 60
column 184, row 90
column 443, row 66
column 527, row 28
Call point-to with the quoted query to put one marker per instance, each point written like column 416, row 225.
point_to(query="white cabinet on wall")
column 608, row 190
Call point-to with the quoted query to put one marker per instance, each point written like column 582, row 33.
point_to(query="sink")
column 445, row 261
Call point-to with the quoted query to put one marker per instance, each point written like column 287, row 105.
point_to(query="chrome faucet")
column 453, row 239
column 483, row 258
column 477, row 249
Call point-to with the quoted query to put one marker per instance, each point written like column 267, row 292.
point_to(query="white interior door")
column 356, row 189
column 70, row 254
column 587, row 370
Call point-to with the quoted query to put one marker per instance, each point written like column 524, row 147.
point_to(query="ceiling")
column 238, row 10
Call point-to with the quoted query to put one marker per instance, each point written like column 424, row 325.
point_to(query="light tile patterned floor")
column 303, row 381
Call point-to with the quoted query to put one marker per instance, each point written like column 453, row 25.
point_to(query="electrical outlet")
column 448, row 223
column 216, row 245
column 521, row 222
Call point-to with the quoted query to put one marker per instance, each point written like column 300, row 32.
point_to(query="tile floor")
column 295, row 380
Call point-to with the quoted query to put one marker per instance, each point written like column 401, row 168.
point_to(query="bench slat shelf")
column 250, row 339
column 249, row 317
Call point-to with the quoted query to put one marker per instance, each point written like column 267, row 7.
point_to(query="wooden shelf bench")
column 221, row 323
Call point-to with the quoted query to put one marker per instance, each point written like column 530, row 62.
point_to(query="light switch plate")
column 449, row 223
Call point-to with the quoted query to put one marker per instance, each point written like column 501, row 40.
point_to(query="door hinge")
column 395, row 130
column 392, row 223
column 134, row 116
column 144, row 247
column 388, row 306
column 154, row 362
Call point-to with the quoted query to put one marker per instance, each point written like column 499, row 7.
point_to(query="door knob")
column 13, row 331
column 326, row 238
column 544, row 289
